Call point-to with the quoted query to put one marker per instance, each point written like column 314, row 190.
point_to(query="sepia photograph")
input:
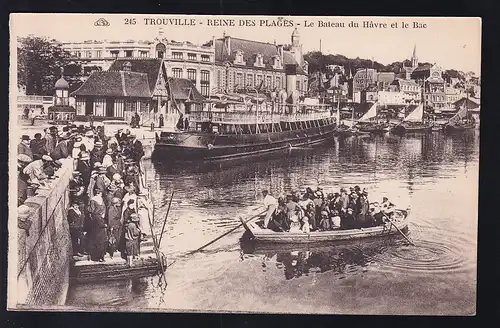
column 244, row 164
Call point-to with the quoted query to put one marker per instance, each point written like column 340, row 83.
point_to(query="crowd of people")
column 315, row 211
column 109, row 208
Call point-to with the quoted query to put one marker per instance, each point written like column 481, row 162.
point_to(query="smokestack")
column 291, row 81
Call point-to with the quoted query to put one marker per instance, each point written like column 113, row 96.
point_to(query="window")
column 143, row 53
column 269, row 81
column 78, row 54
column 98, row 53
column 128, row 53
column 204, row 88
column 259, row 61
column 114, row 53
column 191, row 56
column 176, row 55
column 160, row 50
column 177, row 72
column 89, row 54
column 205, row 58
column 239, row 57
column 259, row 80
column 192, row 75
column 205, row 83
column 298, row 85
column 278, row 82
column 277, row 62
column 239, row 80
column 250, row 80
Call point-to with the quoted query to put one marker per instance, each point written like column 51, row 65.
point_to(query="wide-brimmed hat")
column 325, row 213
column 294, row 218
column 97, row 164
column 109, row 151
column 343, row 189
column 77, row 173
column 102, row 170
column 117, row 176
column 25, row 137
column 23, row 158
column 47, row 158
column 89, row 134
column 98, row 143
column 349, row 209
column 23, row 212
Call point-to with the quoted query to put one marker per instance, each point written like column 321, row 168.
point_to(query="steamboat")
column 242, row 125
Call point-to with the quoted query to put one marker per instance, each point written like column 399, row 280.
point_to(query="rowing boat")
column 400, row 219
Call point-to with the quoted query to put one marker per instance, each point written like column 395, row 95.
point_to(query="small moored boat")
column 400, row 219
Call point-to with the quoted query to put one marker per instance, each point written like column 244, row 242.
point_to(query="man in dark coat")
column 22, row 179
column 37, row 146
column 76, row 219
column 114, row 224
column 62, row 149
column 84, row 167
column 51, row 140
column 137, row 149
column 24, row 147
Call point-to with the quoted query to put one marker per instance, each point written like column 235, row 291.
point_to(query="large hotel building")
column 226, row 64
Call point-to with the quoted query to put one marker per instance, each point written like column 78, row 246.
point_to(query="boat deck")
column 115, row 268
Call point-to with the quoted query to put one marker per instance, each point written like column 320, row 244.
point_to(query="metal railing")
column 250, row 118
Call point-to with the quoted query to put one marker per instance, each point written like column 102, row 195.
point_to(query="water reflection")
column 433, row 173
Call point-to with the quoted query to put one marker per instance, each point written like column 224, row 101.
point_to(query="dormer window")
column 277, row 62
column 259, row 60
column 238, row 59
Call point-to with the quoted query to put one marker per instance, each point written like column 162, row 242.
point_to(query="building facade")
column 363, row 78
column 181, row 59
column 411, row 91
column 252, row 65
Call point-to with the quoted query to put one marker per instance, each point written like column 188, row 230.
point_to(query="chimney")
column 227, row 43
column 291, row 82
column 280, row 52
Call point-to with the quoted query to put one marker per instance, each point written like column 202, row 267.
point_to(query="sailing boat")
column 365, row 122
column 414, row 122
column 461, row 121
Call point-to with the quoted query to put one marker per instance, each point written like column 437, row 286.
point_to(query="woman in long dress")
column 144, row 207
column 132, row 238
column 98, row 239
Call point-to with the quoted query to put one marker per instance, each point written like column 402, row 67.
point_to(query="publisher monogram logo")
column 101, row 22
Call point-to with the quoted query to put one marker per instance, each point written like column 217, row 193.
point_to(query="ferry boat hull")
column 451, row 128
column 212, row 146
column 403, row 128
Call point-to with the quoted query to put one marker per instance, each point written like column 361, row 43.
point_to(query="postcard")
column 256, row 164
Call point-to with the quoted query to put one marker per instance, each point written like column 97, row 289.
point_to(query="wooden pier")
column 116, row 268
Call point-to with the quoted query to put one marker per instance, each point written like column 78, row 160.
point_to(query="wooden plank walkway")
column 116, row 268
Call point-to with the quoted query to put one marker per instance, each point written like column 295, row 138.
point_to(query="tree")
column 39, row 64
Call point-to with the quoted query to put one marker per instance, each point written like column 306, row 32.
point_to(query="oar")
column 226, row 233
column 401, row 232
column 166, row 216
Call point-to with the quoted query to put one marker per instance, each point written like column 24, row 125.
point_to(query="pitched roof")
column 250, row 49
column 183, row 89
column 115, row 84
column 466, row 103
column 149, row 66
column 423, row 67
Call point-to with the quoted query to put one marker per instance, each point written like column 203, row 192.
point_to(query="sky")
column 449, row 42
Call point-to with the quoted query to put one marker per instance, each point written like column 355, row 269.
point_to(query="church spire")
column 414, row 58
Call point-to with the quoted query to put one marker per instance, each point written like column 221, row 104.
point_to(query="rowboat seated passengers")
column 315, row 212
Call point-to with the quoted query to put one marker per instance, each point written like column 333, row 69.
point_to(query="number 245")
column 129, row 21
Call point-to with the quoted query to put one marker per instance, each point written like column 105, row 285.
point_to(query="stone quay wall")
column 44, row 255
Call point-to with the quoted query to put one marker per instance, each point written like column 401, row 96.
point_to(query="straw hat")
column 47, row 158
column 294, row 218
column 23, row 212
column 23, row 158
column 325, row 213
column 116, row 200
column 97, row 164
column 109, row 151
column 117, row 176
